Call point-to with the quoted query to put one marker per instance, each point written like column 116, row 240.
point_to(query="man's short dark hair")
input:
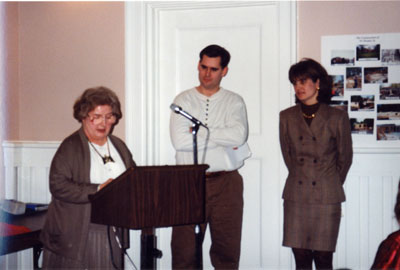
column 215, row 51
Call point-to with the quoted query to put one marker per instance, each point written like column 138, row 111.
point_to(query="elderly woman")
column 85, row 162
column 317, row 149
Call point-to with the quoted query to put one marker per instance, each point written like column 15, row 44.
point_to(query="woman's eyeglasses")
column 98, row 118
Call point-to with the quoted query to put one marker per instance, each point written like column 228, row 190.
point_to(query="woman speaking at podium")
column 85, row 162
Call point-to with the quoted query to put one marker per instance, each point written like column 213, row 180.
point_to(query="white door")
column 165, row 49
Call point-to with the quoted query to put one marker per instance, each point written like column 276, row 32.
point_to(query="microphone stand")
column 195, row 128
column 198, row 233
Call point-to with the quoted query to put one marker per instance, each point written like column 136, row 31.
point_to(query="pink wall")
column 324, row 18
column 9, row 70
column 66, row 47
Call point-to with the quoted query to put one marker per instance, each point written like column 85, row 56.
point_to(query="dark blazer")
column 318, row 156
column 66, row 228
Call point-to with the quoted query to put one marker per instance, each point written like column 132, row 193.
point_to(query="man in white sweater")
column 224, row 149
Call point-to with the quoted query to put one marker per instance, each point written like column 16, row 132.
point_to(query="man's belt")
column 216, row 174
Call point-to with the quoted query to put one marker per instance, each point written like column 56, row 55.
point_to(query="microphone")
column 179, row 110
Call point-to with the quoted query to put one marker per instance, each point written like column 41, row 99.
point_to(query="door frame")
column 142, row 74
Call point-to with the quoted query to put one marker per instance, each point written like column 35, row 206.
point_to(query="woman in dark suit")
column 317, row 149
column 85, row 162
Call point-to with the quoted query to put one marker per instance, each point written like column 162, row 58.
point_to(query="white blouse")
column 100, row 172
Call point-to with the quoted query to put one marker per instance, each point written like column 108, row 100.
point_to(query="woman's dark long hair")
column 308, row 68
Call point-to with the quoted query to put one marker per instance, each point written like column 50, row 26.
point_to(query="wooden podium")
column 148, row 197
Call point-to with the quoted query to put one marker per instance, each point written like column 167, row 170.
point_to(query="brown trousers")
column 224, row 213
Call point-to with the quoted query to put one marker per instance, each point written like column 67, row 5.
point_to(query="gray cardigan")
column 318, row 156
column 66, row 228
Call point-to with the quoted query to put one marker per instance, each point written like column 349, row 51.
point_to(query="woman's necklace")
column 309, row 116
column 309, row 111
column 106, row 158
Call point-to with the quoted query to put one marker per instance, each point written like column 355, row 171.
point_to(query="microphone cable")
column 117, row 239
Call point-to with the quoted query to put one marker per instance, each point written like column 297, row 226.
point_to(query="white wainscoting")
column 368, row 217
column 27, row 166
column 26, row 169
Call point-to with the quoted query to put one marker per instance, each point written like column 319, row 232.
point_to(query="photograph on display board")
column 362, row 126
column 337, row 85
column 376, row 75
column 362, row 103
column 370, row 66
column 369, row 52
column 388, row 111
column 353, row 78
column 388, row 132
column 391, row 56
column 342, row 57
column 389, row 91
column 340, row 104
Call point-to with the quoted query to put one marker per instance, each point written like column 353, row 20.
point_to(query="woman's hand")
column 105, row 183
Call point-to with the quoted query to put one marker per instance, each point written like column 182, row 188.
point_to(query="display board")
column 365, row 71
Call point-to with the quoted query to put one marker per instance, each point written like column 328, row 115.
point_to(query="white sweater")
column 225, row 115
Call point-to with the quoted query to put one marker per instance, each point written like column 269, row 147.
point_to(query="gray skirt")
column 311, row 226
column 97, row 253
